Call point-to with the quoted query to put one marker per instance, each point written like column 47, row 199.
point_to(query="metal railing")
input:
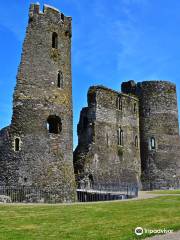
column 28, row 194
column 106, row 192
column 99, row 192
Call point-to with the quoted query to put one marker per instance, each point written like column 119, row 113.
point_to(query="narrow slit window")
column 60, row 81
column 135, row 110
column 120, row 137
column 152, row 143
column 17, row 144
column 136, row 142
column 107, row 139
column 54, row 40
column 119, row 103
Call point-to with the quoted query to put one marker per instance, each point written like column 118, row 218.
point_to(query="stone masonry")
column 132, row 136
column 108, row 150
column 37, row 148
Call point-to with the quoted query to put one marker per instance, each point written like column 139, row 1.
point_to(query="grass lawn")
column 100, row 221
column 165, row 191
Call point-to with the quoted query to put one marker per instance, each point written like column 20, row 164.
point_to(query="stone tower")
column 108, row 150
column 37, row 149
column 159, row 132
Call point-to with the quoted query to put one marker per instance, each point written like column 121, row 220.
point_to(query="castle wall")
column 40, row 102
column 98, row 153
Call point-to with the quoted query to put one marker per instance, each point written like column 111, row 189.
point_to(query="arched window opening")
column 120, row 137
column 152, row 143
column 54, row 40
column 119, row 103
column 60, row 82
column 136, row 142
column 54, row 124
column 17, row 144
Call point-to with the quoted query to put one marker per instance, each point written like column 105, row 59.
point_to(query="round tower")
column 159, row 134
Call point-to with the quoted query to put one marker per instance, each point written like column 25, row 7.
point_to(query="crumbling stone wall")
column 44, row 157
column 99, row 157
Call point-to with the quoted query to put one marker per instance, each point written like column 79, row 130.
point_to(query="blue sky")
column 113, row 41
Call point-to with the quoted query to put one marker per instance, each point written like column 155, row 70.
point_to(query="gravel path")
column 168, row 236
column 147, row 195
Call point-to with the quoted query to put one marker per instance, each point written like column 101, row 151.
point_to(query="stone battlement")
column 47, row 9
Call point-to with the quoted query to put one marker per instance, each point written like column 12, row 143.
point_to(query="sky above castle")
column 113, row 41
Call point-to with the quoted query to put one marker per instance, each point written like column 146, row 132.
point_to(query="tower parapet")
column 34, row 9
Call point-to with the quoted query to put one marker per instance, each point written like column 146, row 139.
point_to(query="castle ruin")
column 130, row 136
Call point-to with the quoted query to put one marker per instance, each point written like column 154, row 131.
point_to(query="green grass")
column 165, row 191
column 100, row 221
